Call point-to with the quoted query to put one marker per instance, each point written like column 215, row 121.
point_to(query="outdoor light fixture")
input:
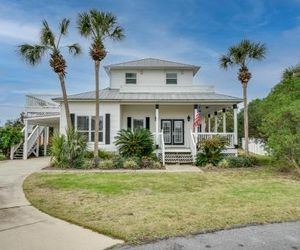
column 188, row 118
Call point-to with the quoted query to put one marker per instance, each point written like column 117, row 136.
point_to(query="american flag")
column 197, row 120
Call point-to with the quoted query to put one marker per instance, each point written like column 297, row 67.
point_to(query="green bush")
column 149, row 162
column 223, row 163
column 9, row 136
column 106, row 164
column 118, row 161
column 209, row 151
column 68, row 151
column 106, row 155
column 131, row 163
column 135, row 143
column 241, row 161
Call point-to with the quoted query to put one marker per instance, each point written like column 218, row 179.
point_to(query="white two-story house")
column 150, row 93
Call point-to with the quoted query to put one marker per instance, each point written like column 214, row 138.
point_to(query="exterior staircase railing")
column 32, row 140
column 14, row 148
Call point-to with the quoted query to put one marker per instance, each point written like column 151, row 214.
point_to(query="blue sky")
column 189, row 31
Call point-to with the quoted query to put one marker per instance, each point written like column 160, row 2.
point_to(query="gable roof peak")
column 151, row 63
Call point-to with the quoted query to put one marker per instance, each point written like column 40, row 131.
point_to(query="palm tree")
column 241, row 55
column 51, row 43
column 98, row 26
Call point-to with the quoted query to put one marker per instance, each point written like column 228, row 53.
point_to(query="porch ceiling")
column 49, row 121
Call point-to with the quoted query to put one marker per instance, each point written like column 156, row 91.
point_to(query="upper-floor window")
column 130, row 78
column 171, row 78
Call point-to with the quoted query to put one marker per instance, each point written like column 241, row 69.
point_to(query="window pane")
column 100, row 136
column 138, row 123
column 172, row 75
column 130, row 81
column 171, row 78
column 100, row 123
column 130, row 78
column 130, row 75
column 82, row 123
column 171, row 81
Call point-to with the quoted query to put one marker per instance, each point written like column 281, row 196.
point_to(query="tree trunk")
column 65, row 97
column 246, row 129
column 96, row 137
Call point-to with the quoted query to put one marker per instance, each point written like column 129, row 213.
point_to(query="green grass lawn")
column 144, row 206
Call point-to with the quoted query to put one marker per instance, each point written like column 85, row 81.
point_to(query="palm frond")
column 84, row 24
column 32, row 54
column 258, row 51
column 47, row 36
column 63, row 26
column 117, row 34
column 74, row 49
column 225, row 61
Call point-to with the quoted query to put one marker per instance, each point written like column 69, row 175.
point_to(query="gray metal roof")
column 115, row 95
column 152, row 63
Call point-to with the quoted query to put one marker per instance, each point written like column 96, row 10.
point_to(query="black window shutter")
column 107, row 128
column 128, row 122
column 148, row 123
column 72, row 115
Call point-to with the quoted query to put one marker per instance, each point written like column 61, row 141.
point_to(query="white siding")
column 88, row 108
column 165, row 112
column 150, row 77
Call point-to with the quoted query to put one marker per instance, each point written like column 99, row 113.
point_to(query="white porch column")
column 46, row 138
column 209, row 125
column 25, row 140
column 157, row 124
column 235, row 126
column 195, row 112
column 224, row 120
column 216, row 122
column 203, row 124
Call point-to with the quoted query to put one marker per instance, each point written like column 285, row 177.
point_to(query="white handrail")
column 162, row 147
column 14, row 148
column 33, row 138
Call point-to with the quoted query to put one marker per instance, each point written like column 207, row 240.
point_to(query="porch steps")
column 177, row 156
column 18, row 155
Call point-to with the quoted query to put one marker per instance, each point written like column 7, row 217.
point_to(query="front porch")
column 172, row 127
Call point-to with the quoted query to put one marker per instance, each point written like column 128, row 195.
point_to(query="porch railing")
column 229, row 137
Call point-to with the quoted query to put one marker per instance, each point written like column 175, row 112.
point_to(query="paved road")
column 23, row 227
column 273, row 236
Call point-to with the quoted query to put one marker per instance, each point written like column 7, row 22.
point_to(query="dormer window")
column 171, row 78
column 130, row 78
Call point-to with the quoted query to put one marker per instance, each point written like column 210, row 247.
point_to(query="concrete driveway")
column 23, row 227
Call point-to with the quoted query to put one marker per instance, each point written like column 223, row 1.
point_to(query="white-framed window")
column 130, row 78
column 85, row 125
column 138, row 123
column 171, row 78
column 100, row 128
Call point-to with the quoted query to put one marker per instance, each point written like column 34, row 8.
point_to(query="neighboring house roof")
column 42, row 99
column 151, row 63
column 115, row 95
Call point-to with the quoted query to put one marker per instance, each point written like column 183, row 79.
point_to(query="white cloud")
column 17, row 30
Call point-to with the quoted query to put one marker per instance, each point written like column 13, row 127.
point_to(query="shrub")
column 106, row 164
column 131, row 163
column 9, row 136
column 105, row 155
column 149, row 162
column 135, row 143
column 118, row 161
column 241, row 161
column 209, row 151
column 68, row 151
column 223, row 163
